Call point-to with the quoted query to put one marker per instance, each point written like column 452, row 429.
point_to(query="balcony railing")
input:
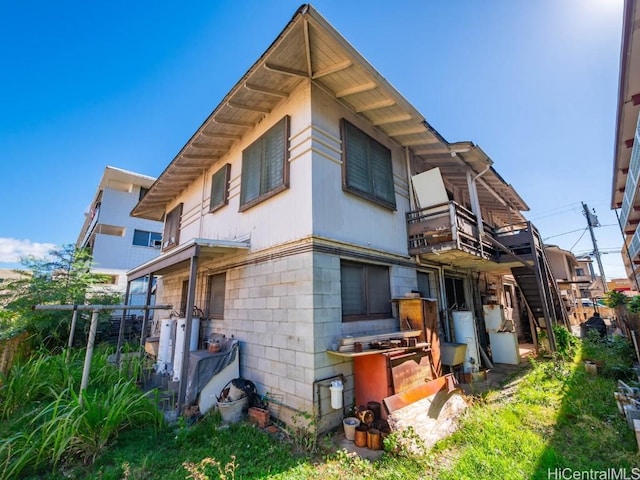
column 447, row 226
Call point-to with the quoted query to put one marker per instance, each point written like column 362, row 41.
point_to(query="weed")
column 198, row 471
column 566, row 343
column 405, row 443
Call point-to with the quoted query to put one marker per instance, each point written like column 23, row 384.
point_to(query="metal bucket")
column 232, row 412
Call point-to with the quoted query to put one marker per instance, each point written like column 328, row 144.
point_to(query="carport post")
column 89, row 355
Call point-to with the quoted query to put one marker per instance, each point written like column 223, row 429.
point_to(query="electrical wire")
column 583, row 232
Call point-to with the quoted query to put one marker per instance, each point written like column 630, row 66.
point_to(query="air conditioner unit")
column 157, row 244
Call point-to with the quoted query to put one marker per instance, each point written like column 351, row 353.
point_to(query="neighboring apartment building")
column 626, row 162
column 118, row 241
column 300, row 209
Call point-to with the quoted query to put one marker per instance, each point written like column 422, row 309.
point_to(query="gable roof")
column 310, row 48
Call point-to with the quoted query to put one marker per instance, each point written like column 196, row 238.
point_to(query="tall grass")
column 41, row 404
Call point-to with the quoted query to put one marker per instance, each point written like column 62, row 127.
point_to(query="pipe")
column 407, row 160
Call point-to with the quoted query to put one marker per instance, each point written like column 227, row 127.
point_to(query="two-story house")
column 117, row 241
column 297, row 213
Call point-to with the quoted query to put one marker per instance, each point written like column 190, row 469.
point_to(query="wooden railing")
column 449, row 226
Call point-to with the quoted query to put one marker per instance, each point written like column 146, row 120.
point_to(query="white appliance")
column 493, row 317
column 181, row 328
column 165, row 345
column 504, row 347
column 464, row 328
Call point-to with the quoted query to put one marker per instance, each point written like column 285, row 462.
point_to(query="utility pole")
column 592, row 221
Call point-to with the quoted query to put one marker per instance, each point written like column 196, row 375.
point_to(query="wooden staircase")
column 536, row 281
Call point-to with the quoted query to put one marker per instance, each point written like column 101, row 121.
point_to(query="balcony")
column 448, row 233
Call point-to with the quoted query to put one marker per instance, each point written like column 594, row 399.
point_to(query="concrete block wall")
column 269, row 308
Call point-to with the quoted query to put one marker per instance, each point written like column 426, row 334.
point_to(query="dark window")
column 454, row 288
column 424, row 284
column 184, row 296
column 147, row 239
column 143, row 192
column 171, row 235
column 367, row 166
column 265, row 166
column 220, row 188
column 365, row 291
column 580, row 272
column 216, row 295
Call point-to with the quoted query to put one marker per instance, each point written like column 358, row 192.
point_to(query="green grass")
column 554, row 415
column 559, row 417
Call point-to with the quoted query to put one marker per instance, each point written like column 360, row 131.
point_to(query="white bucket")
column 350, row 424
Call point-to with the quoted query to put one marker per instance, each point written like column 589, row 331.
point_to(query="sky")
column 84, row 85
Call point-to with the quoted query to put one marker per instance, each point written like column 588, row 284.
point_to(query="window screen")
column 367, row 166
column 216, row 295
column 265, row 166
column 365, row 291
column 171, row 235
column 220, row 188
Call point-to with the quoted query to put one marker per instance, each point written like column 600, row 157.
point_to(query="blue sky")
column 86, row 84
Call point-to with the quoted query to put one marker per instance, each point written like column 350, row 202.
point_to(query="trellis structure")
column 96, row 309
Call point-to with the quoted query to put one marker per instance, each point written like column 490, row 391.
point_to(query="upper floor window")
column 265, row 166
column 367, row 166
column 366, row 292
column 171, row 234
column 147, row 239
column 580, row 272
column 220, row 188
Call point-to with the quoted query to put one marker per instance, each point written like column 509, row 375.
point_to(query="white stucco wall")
column 343, row 216
column 279, row 219
column 119, row 252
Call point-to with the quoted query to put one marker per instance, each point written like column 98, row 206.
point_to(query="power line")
column 565, row 233
column 583, row 232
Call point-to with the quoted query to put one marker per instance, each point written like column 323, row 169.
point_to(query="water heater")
column 181, row 329
column 464, row 328
column 165, row 345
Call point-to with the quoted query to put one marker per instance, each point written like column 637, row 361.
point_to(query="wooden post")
column 89, row 355
column 72, row 332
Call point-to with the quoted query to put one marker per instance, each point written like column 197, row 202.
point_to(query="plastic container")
column 350, row 424
column 336, row 394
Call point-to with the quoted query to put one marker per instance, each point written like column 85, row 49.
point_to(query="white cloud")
column 12, row 249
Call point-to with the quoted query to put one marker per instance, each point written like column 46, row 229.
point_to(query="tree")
column 63, row 278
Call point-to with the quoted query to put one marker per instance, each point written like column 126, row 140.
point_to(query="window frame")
column 246, row 174
column 371, row 143
column 172, row 228
column 213, row 313
column 225, row 173
column 150, row 240
column 368, row 294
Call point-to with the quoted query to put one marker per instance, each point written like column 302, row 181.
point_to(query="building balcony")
column 448, row 233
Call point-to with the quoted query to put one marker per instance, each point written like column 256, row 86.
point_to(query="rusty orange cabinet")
column 380, row 375
column 422, row 314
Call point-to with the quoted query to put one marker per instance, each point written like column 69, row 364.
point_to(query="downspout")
column 407, row 160
column 200, row 220
column 412, row 200
column 475, row 202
